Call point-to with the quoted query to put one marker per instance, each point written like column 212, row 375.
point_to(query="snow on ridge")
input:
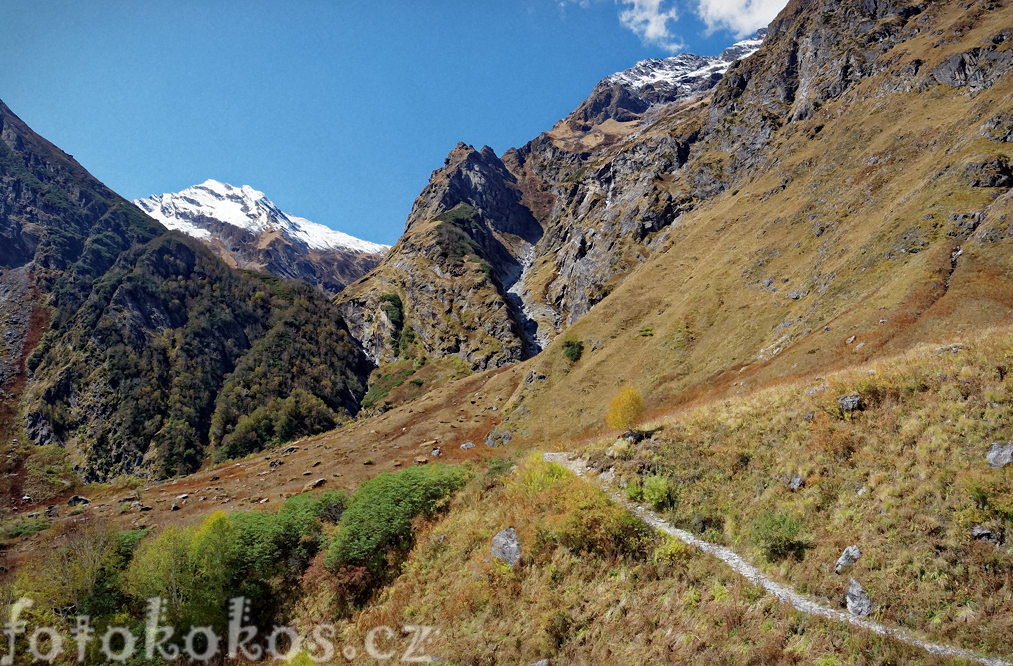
column 246, row 208
column 321, row 236
column 684, row 68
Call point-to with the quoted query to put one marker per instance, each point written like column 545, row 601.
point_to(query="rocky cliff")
column 546, row 231
column 445, row 287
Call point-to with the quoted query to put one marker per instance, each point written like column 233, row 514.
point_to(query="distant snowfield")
column 246, row 208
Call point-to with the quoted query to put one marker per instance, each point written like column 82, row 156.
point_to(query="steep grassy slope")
column 878, row 221
column 904, row 477
column 593, row 586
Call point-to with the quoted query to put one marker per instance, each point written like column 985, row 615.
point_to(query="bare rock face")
column 857, row 600
column 506, row 547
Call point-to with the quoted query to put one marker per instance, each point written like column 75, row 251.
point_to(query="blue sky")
column 338, row 110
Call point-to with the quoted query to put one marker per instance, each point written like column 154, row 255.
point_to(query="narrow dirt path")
column 782, row 592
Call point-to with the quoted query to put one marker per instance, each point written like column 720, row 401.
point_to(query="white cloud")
column 649, row 20
column 741, row 17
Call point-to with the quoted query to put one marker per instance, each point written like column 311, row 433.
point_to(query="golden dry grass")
column 663, row 604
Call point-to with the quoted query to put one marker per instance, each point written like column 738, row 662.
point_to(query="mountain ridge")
column 244, row 227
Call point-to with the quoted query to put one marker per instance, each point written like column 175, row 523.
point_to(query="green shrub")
column 394, row 309
column 385, row 384
column 256, row 554
column 573, row 349
column 776, row 534
column 24, row 527
column 380, row 513
column 635, row 490
column 600, row 528
column 658, row 492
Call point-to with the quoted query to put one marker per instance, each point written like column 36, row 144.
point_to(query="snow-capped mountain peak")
column 196, row 210
column 684, row 72
column 627, row 95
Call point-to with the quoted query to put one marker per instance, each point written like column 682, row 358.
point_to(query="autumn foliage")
column 625, row 410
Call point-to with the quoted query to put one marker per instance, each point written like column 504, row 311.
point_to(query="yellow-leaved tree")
column 625, row 410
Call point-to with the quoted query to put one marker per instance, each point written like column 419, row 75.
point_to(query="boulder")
column 797, row 482
column 175, row 507
column 78, row 500
column 982, row 533
column 534, row 376
column 506, row 547
column 857, row 600
column 1000, row 455
column 314, row 484
column 468, row 445
column 849, row 403
column 847, row 558
column 498, row 437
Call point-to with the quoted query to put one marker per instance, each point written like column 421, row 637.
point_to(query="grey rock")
column 999, row 127
column 990, row 171
column 498, row 437
column 982, row 533
column 797, row 482
column 849, row 403
column 540, row 662
column 506, row 547
column 534, row 376
column 847, row 558
column 78, row 500
column 175, row 507
column 468, row 445
column 314, row 484
column 857, row 600
column 1000, row 455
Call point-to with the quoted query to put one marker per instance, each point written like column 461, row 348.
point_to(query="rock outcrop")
column 444, row 288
